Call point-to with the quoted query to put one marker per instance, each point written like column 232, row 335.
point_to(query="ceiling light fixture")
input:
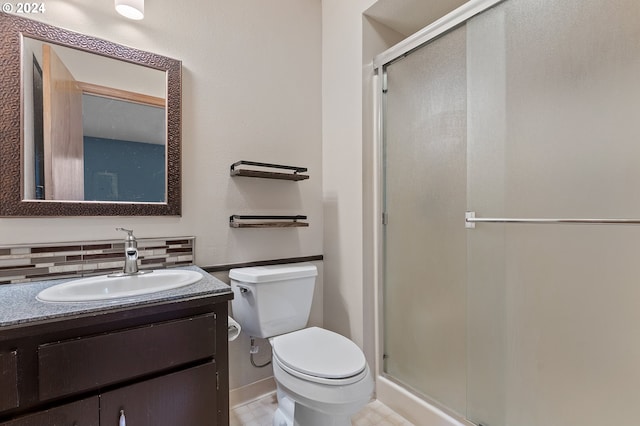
column 132, row 9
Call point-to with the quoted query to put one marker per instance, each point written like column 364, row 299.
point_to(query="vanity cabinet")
column 163, row 364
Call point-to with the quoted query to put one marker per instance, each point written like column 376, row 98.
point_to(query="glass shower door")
column 425, row 240
column 530, row 109
column 553, row 113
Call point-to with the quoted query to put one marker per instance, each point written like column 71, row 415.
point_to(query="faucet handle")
column 129, row 233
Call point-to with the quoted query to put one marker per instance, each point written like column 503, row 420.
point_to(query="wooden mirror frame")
column 12, row 29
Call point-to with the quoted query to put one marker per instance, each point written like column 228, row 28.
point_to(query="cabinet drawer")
column 8, row 380
column 91, row 362
column 185, row 398
column 79, row 413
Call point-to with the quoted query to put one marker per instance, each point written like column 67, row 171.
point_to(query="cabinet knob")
column 123, row 420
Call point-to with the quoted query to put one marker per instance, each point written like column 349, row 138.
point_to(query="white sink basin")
column 104, row 287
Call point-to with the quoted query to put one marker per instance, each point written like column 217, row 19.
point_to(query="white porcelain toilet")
column 322, row 378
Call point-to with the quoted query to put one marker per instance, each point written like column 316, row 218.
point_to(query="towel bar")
column 471, row 220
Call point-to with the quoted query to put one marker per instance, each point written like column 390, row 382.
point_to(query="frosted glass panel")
column 425, row 300
column 554, row 131
column 486, row 284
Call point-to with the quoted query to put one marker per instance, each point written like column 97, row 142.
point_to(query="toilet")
column 322, row 378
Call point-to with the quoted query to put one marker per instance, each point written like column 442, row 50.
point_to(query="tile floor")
column 260, row 413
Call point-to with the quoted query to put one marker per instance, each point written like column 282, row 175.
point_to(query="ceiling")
column 409, row 16
column 123, row 120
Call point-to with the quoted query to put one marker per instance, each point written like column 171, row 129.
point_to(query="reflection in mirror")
column 124, row 150
column 89, row 127
column 95, row 129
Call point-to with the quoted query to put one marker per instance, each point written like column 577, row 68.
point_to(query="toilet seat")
column 321, row 356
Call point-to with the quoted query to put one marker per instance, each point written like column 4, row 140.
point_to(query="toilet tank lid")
column 261, row 274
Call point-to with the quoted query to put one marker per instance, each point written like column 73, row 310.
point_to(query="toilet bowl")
column 323, row 374
column 322, row 378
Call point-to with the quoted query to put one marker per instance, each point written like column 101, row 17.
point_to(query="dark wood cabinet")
column 164, row 364
column 182, row 398
column 75, row 365
column 8, row 380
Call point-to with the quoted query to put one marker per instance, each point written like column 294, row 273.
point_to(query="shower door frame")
column 388, row 389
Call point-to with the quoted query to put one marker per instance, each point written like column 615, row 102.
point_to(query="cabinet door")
column 79, row 413
column 185, row 398
column 8, row 380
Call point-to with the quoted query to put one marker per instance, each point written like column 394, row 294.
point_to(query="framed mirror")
column 89, row 127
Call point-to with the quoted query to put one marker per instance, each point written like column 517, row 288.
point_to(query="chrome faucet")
column 130, row 255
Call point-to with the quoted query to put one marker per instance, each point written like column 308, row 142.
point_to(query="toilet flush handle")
column 244, row 289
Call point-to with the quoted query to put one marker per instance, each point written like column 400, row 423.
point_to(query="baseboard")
column 251, row 392
column 411, row 407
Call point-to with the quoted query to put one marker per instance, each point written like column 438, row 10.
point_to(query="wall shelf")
column 268, row 174
column 256, row 221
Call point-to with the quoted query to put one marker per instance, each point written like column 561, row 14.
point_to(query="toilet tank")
column 272, row 300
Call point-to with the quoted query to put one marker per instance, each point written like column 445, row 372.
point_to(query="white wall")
column 342, row 161
column 350, row 41
column 251, row 91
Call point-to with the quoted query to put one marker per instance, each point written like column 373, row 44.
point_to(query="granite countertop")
column 20, row 306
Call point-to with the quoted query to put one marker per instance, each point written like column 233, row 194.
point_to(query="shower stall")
column 509, row 178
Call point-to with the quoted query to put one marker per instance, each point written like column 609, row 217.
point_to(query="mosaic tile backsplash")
column 36, row 262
